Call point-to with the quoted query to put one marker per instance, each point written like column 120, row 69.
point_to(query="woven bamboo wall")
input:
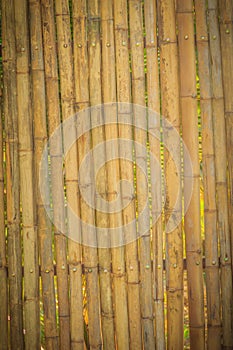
column 116, row 170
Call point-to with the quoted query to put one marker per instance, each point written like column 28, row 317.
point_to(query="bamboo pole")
column 102, row 220
column 3, row 262
column 153, row 89
column 126, row 169
column 192, row 222
column 25, row 135
column 226, row 39
column 171, row 111
column 113, row 177
column 220, row 144
column 140, row 137
column 71, row 170
column 57, row 183
column 12, row 177
column 40, row 139
column 90, row 257
column 211, row 232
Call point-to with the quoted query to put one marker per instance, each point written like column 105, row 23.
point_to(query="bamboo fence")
column 116, row 174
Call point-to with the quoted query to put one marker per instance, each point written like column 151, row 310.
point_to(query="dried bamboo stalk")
column 57, row 183
column 171, row 111
column 192, row 223
column 25, row 134
column 226, row 38
column 140, row 137
column 220, row 144
column 40, row 139
column 115, row 218
column 12, row 177
column 156, row 185
column 90, row 257
column 3, row 262
column 102, row 220
column 81, row 95
column 127, row 170
column 211, row 231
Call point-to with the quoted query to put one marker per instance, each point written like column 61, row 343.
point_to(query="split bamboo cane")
column 171, row 111
column 192, row 223
column 57, row 183
column 3, row 262
column 140, row 137
column 40, row 139
column 127, row 169
column 113, row 176
column 27, row 193
column 153, row 92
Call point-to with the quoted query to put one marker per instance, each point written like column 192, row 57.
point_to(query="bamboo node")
column 186, row 37
column 227, row 31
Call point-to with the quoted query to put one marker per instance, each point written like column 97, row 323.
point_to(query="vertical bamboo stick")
column 40, row 138
column 171, row 111
column 153, row 89
column 211, row 240
column 12, row 176
column 192, row 217
column 220, row 144
column 81, row 93
column 126, row 169
column 3, row 262
column 140, row 136
column 90, row 257
column 226, row 38
column 102, row 220
column 25, row 134
column 57, row 185
column 71, row 169
column 115, row 219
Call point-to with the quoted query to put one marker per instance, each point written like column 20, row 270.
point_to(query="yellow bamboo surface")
column 171, row 111
column 126, row 168
column 192, row 224
column 40, row 138
column 226, row 35
column 111, row 113
column 3, row 271
column 156, row 178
